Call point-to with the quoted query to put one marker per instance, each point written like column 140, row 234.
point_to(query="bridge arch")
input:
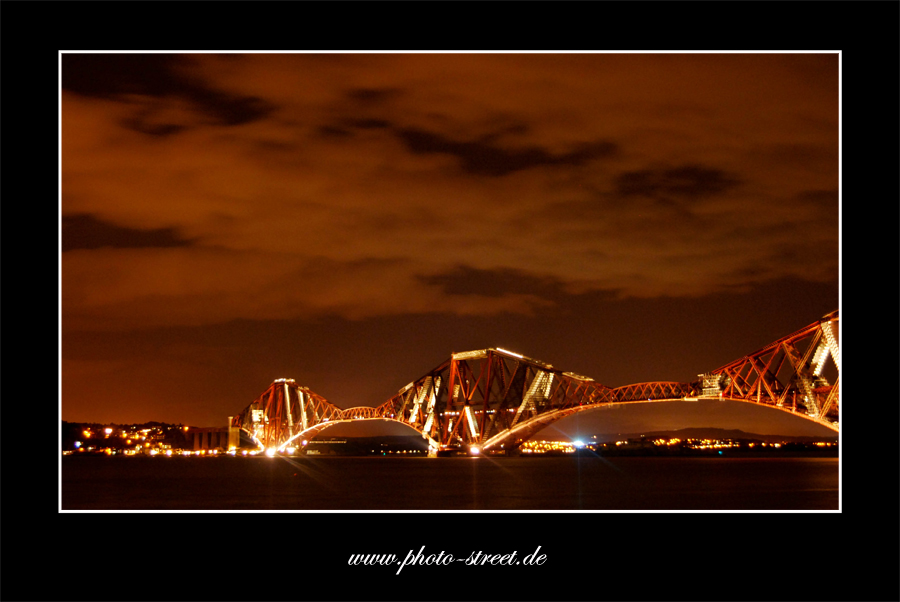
column 304, row 437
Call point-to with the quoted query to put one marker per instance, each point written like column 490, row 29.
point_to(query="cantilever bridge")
column 493, row 399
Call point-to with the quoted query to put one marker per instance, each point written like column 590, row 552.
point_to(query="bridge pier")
column 234, row 436
column 207, row 438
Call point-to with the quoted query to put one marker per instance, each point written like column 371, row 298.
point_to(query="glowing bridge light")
column 578, row 444
column 507, row 351
column 474, row 450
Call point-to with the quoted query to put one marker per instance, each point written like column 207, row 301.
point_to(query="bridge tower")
column 792, row 373
column 490, row 399
column 283, row 413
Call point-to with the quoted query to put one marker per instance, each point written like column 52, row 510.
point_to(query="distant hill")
column 708, row 433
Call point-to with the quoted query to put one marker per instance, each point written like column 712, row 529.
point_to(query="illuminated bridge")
column 494, row 399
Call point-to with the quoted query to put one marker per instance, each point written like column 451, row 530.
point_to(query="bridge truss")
column 491, row 397
column 790, row 374
column 284, row 414
column 494, row 399
column 484, row 399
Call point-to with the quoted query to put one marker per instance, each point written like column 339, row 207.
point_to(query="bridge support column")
column 234, row 435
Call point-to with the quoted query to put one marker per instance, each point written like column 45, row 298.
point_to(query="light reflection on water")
column 484, row 483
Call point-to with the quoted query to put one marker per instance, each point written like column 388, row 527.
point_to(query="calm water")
column 379, row 483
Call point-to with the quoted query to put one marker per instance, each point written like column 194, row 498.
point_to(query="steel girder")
column 791, row 373
column 654, row 391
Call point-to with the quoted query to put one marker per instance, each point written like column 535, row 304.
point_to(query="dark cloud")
column 372, row 96
column 146, row 126
column 109, row 75
column 229, row 110
column 84, row 231
column 331, row 131
column 484, row 159
column 159, row 76
column 344, row 129
column 686, row 181
column 826, row 200
column 368, row 124
column 467, row 280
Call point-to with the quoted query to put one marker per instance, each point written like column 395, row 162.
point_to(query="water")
column 386, row 483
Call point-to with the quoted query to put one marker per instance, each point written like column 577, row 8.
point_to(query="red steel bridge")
column 494, row 399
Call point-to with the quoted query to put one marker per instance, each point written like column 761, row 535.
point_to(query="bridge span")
column 494, row 399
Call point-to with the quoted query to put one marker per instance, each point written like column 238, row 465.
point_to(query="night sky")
column 349, row 220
